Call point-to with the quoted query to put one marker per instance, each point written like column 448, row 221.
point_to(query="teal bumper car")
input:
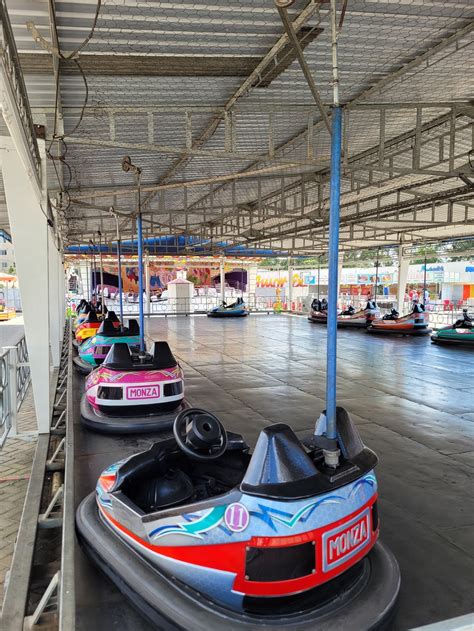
column 237, row 309
column 94, row 350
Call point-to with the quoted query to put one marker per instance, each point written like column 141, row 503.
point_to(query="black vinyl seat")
column 92, row 317
column 280, row 466
column 162, row 356
column 107, row 329
column 133, row 328
column 465, row 323
column 120, row 358
column 349, row 311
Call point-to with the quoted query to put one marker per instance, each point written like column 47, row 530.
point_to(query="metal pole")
column 147, row 282
column 119, row 269
column 319, row 274
column 333, row 272
column 424, row 284
column 290, row 285
column 93, row 275
column 222, row 272
column 101, row 272
column 91, row 280
column 331, row 456
column 376, row 276
column 140, row 267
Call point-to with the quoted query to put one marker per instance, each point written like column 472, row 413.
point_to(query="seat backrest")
column 162, row 356
column 133, row 328
column 119, row 357
column 107, row 328
column 92, row 316
column 279, row 465
column 112, row 316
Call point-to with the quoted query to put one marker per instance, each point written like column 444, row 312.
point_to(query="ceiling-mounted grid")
column 184, row 89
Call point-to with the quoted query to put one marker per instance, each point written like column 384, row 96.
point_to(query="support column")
column 29, row 230
column 222, row 278
column 62, row 295
column 403, row 265
column 252, row 285
column 54, row 300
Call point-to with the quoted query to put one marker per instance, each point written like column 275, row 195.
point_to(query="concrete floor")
column 11, row 331
column 413, row 403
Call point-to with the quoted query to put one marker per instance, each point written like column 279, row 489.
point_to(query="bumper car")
column 460, row 334
column 82, row 311
column 361, row 319
column 236, row 309
column 86, row 328
column 89, row 327
column 7, row 313
column 415, row 323
column 201, row 534
column 319, row 311
column 93, row 351
column 133, row 392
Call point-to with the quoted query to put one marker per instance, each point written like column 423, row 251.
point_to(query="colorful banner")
column 160, row 276
column 280, row 280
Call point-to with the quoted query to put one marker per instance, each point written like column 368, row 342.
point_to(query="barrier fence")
column 14, row 381
column 439, row 315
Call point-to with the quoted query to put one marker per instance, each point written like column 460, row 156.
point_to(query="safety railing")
column 14, row 381
column 13, row 79
column 437, row 313
column 5, row 404
column 40, row 591
column 23, row 373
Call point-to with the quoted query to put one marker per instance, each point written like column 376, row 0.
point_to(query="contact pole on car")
column 128, row 166
column 119, row 265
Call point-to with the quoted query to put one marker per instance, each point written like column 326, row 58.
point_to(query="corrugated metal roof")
column 156, row 118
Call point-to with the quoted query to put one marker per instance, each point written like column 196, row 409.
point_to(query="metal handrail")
column 13, row 73
column 23, row 373
column 67, row 596
column 5, row 395
column 15, row 378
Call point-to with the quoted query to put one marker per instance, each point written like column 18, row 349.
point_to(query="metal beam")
column 15, row 104
column 185, row 151
column 382, row 83
column 290, row 31
column 243, row 89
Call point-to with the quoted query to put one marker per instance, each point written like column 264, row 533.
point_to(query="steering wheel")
column 200, row 434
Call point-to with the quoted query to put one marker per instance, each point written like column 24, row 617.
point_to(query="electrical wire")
column 61, row 157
